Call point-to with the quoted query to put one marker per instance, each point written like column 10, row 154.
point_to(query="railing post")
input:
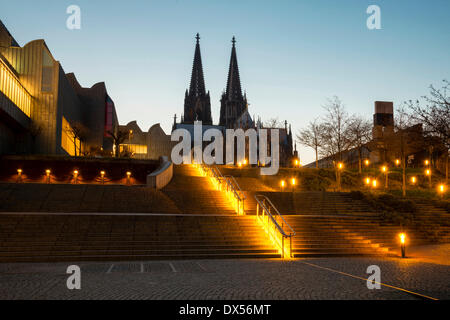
column 282, row 245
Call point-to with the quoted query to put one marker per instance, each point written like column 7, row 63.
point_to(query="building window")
column 133, row 149
column 13, row 89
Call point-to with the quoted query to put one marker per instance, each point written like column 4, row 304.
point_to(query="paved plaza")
column 324, row 278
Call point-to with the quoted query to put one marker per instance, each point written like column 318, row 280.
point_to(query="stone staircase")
column 195, row 194
column 346, row 236
column 49, row 238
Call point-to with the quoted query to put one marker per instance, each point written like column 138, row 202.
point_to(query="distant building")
column 234, row 113
column 145, row 145
column 43, row 110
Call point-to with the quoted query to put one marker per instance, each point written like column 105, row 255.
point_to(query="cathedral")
column 234, row 112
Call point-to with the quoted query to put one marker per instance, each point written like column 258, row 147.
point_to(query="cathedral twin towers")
column 197, row 104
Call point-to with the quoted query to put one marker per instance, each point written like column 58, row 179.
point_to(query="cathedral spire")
column 197, row 86
column 197, row 105
column 233, row 90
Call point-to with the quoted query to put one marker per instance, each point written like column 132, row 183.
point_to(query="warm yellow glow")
column 441, row 188
column 13, row 89
column 413, row 180
column 68, row 142
column 340, row 165
column 75, row 172
column 366, row 162
column 283, row 183
column 239, row 164
column 428, row 172
column 402, row 238
column 245, row 161
column 397, row 162
column 293, row 181
column 102, row 173
column 138, row 149
column 47, row 172
column 367, row 181
column 128, row 174
column 374, row 183
column 384, row 168
column 19, row 171
column 427, row 162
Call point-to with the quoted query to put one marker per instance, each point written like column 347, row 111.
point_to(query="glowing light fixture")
column 367, row 181
column 384, row 168
column 402, row 237
column 427, row 162
column 340, row 165
column 413, row 180
column 367, row 162
column 397, row 162
column 374, row 183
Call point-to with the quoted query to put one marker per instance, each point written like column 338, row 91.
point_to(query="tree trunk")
column 359, row 161
column 317, row 159
column 404, row 176
column 446, row 169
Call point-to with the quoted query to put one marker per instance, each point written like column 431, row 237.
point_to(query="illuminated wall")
column 11, row 87
column 68, row 142
column 137, row 150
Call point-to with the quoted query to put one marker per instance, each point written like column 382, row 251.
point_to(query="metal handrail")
column 236, row 186
column 261, row 201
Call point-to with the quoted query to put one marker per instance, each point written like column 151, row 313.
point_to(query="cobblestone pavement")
column 227, row 279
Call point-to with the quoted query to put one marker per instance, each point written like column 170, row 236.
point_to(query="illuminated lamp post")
column 427, row 162
column 128, row 177
column 367, row 181
column 19, row 175
column 403, row 244
column 102, row 175
column 441, row 190
column 340, row 167
column 47, row 173
column 397, row 162
column 293, row 182
column 385, row 170
column 374, row 184
column 282, row 184
column 75, row 176
column 413, row 180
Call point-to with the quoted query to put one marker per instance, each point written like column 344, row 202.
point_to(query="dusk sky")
column 292, row 55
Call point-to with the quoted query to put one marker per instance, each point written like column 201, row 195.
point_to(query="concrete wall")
column 161, row 176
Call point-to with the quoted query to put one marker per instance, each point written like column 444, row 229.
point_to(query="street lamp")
column 75, row 176
column 374, row 183
column 403, row 244
column 128, row 177
column 282, row 183
column 340, row 166
column 413, row 180
column 427, row 162
column 293, row 181
column 397, row 162
column 441, row 189
column 367, row 181
column 102, row 174
column 47, row 173
column 19, row 175
column 386, row 173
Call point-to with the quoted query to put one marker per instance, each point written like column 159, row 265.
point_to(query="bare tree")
column 335, row 129
column 405, row 139
column 359, row 131
column 273, row 123
column 77, row 132
column 118, row 137
column 311, row 137
column 434, row 114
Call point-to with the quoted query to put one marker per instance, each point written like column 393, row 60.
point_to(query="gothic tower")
column 232, row 103
column 197, row 105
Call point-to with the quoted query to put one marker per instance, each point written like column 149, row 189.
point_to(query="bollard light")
column 47, row 172
column 75, row 176
column 402, row 237
column 19, row 172
column 367, row 181
column 367, row 162
column 428, row 172
column 413, row 180
column 340, row 165
column 441, row 189
column 384, row 168
column 283, row 184
column 397, row 162
column 19, row 175
column 427, row 162
column 374, row 183
column 102, row 174
column 245, row 162
column 128, row 174
column 239, row 164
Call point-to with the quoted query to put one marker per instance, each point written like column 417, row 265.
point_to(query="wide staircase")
column 346, row 236
column 193, row 193
column 39, row 238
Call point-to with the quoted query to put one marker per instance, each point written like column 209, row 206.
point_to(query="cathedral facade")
column 234, row 113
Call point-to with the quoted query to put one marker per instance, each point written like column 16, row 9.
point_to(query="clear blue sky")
column 292, row 54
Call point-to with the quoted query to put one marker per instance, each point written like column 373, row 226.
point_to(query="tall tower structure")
column 232, row 103
column 197, row 103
